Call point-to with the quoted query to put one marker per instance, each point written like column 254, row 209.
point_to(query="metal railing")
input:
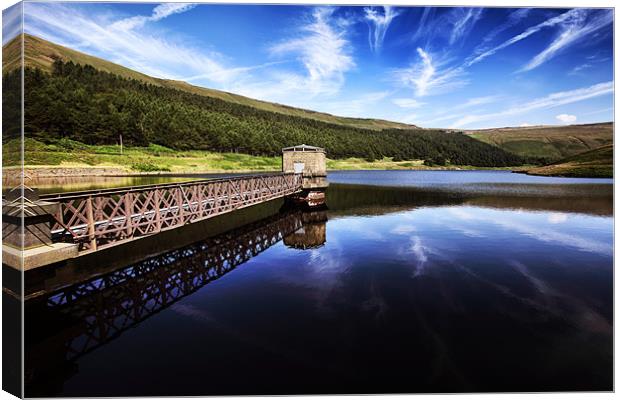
column 101, row 218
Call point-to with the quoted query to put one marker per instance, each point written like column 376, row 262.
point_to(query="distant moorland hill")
column 594, row 164
column 70, row 95
column 550, row 142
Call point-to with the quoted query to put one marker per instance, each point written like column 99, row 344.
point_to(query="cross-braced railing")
column 98, row 219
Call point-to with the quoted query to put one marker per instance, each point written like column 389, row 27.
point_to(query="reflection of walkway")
column 98, row 310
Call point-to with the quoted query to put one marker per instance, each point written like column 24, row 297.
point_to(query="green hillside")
column 597, row 163
column 39, row 53
column 550, row 142
column 83, row 104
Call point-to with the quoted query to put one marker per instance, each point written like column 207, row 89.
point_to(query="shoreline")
column 82, row 172
column 37, row 172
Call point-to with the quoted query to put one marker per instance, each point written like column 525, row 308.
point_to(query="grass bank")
column 69, row 154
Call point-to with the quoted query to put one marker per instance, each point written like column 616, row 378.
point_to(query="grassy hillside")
column 597, row 163
column 66, row 153
column 41, row 54
column 551, row 142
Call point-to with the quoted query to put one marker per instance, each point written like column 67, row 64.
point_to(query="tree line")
column 95, row 107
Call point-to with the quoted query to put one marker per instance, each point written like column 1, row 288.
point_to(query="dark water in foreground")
column 503, row 287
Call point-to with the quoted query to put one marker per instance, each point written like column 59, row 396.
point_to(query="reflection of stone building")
column 312, row 234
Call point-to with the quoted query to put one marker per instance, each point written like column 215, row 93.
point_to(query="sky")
column 447, row 67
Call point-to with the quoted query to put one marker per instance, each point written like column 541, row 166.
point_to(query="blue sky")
column 434, row 67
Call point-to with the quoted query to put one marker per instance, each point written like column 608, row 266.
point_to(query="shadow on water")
column 85, row 304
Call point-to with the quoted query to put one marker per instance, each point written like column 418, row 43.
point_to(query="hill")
column 94, row 105
column 550, row 142
column 597, row 163
column 40, row 53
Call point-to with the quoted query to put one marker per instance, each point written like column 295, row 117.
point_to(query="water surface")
column 412, row 288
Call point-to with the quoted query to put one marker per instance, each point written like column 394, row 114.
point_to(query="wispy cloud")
column 428, row 14
column 360, row 106
column 512, row 20
column 160, row 12
column 427, row 76
column 602, row 110
column 549, row 101
column 232, row 71
column 579, row 68
column 476, row 101
column 378, row 25
column 451, row 113
column 126, row 43
column 523, row 35
column 419, row 250
column 408, row 103
column 580, row 24
column 11, row 22
column 323, row 49
column 463, row 20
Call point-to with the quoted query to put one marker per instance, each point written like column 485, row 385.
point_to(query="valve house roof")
column 305, row 148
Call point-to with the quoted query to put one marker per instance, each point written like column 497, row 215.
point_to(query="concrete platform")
column 38, row 256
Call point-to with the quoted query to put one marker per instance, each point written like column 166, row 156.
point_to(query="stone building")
column 311, row 162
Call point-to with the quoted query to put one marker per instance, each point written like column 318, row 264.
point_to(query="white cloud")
column 408, row 103
column 549, row 101
column 579, row 68
column 428, row 77
column 378, row 25
column 513, row 19
column 574, row 28
column 449, row 113
column 428, row 14
column 566, row 118
column 11, row 22
column 127, row 43
column 476, row 101
column 523, row 35
column 160, row 12
column 420, row 251
column 557, row 218
column 464, row 20
column 525, row 125
column 325, row 52
column 360, row 106
column 602, row 110
column 403, row 229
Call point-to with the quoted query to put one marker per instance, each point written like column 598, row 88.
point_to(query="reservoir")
column 407, row 282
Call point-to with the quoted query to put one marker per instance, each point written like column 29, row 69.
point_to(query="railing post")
column 157, row 203
column 179, row 199
column 200, row 199
column 91, row 223
column 128, row 214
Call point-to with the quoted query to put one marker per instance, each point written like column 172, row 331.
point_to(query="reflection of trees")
column 345, row 199
column 79, row 318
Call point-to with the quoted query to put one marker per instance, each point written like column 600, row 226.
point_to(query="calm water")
column 502, row 284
